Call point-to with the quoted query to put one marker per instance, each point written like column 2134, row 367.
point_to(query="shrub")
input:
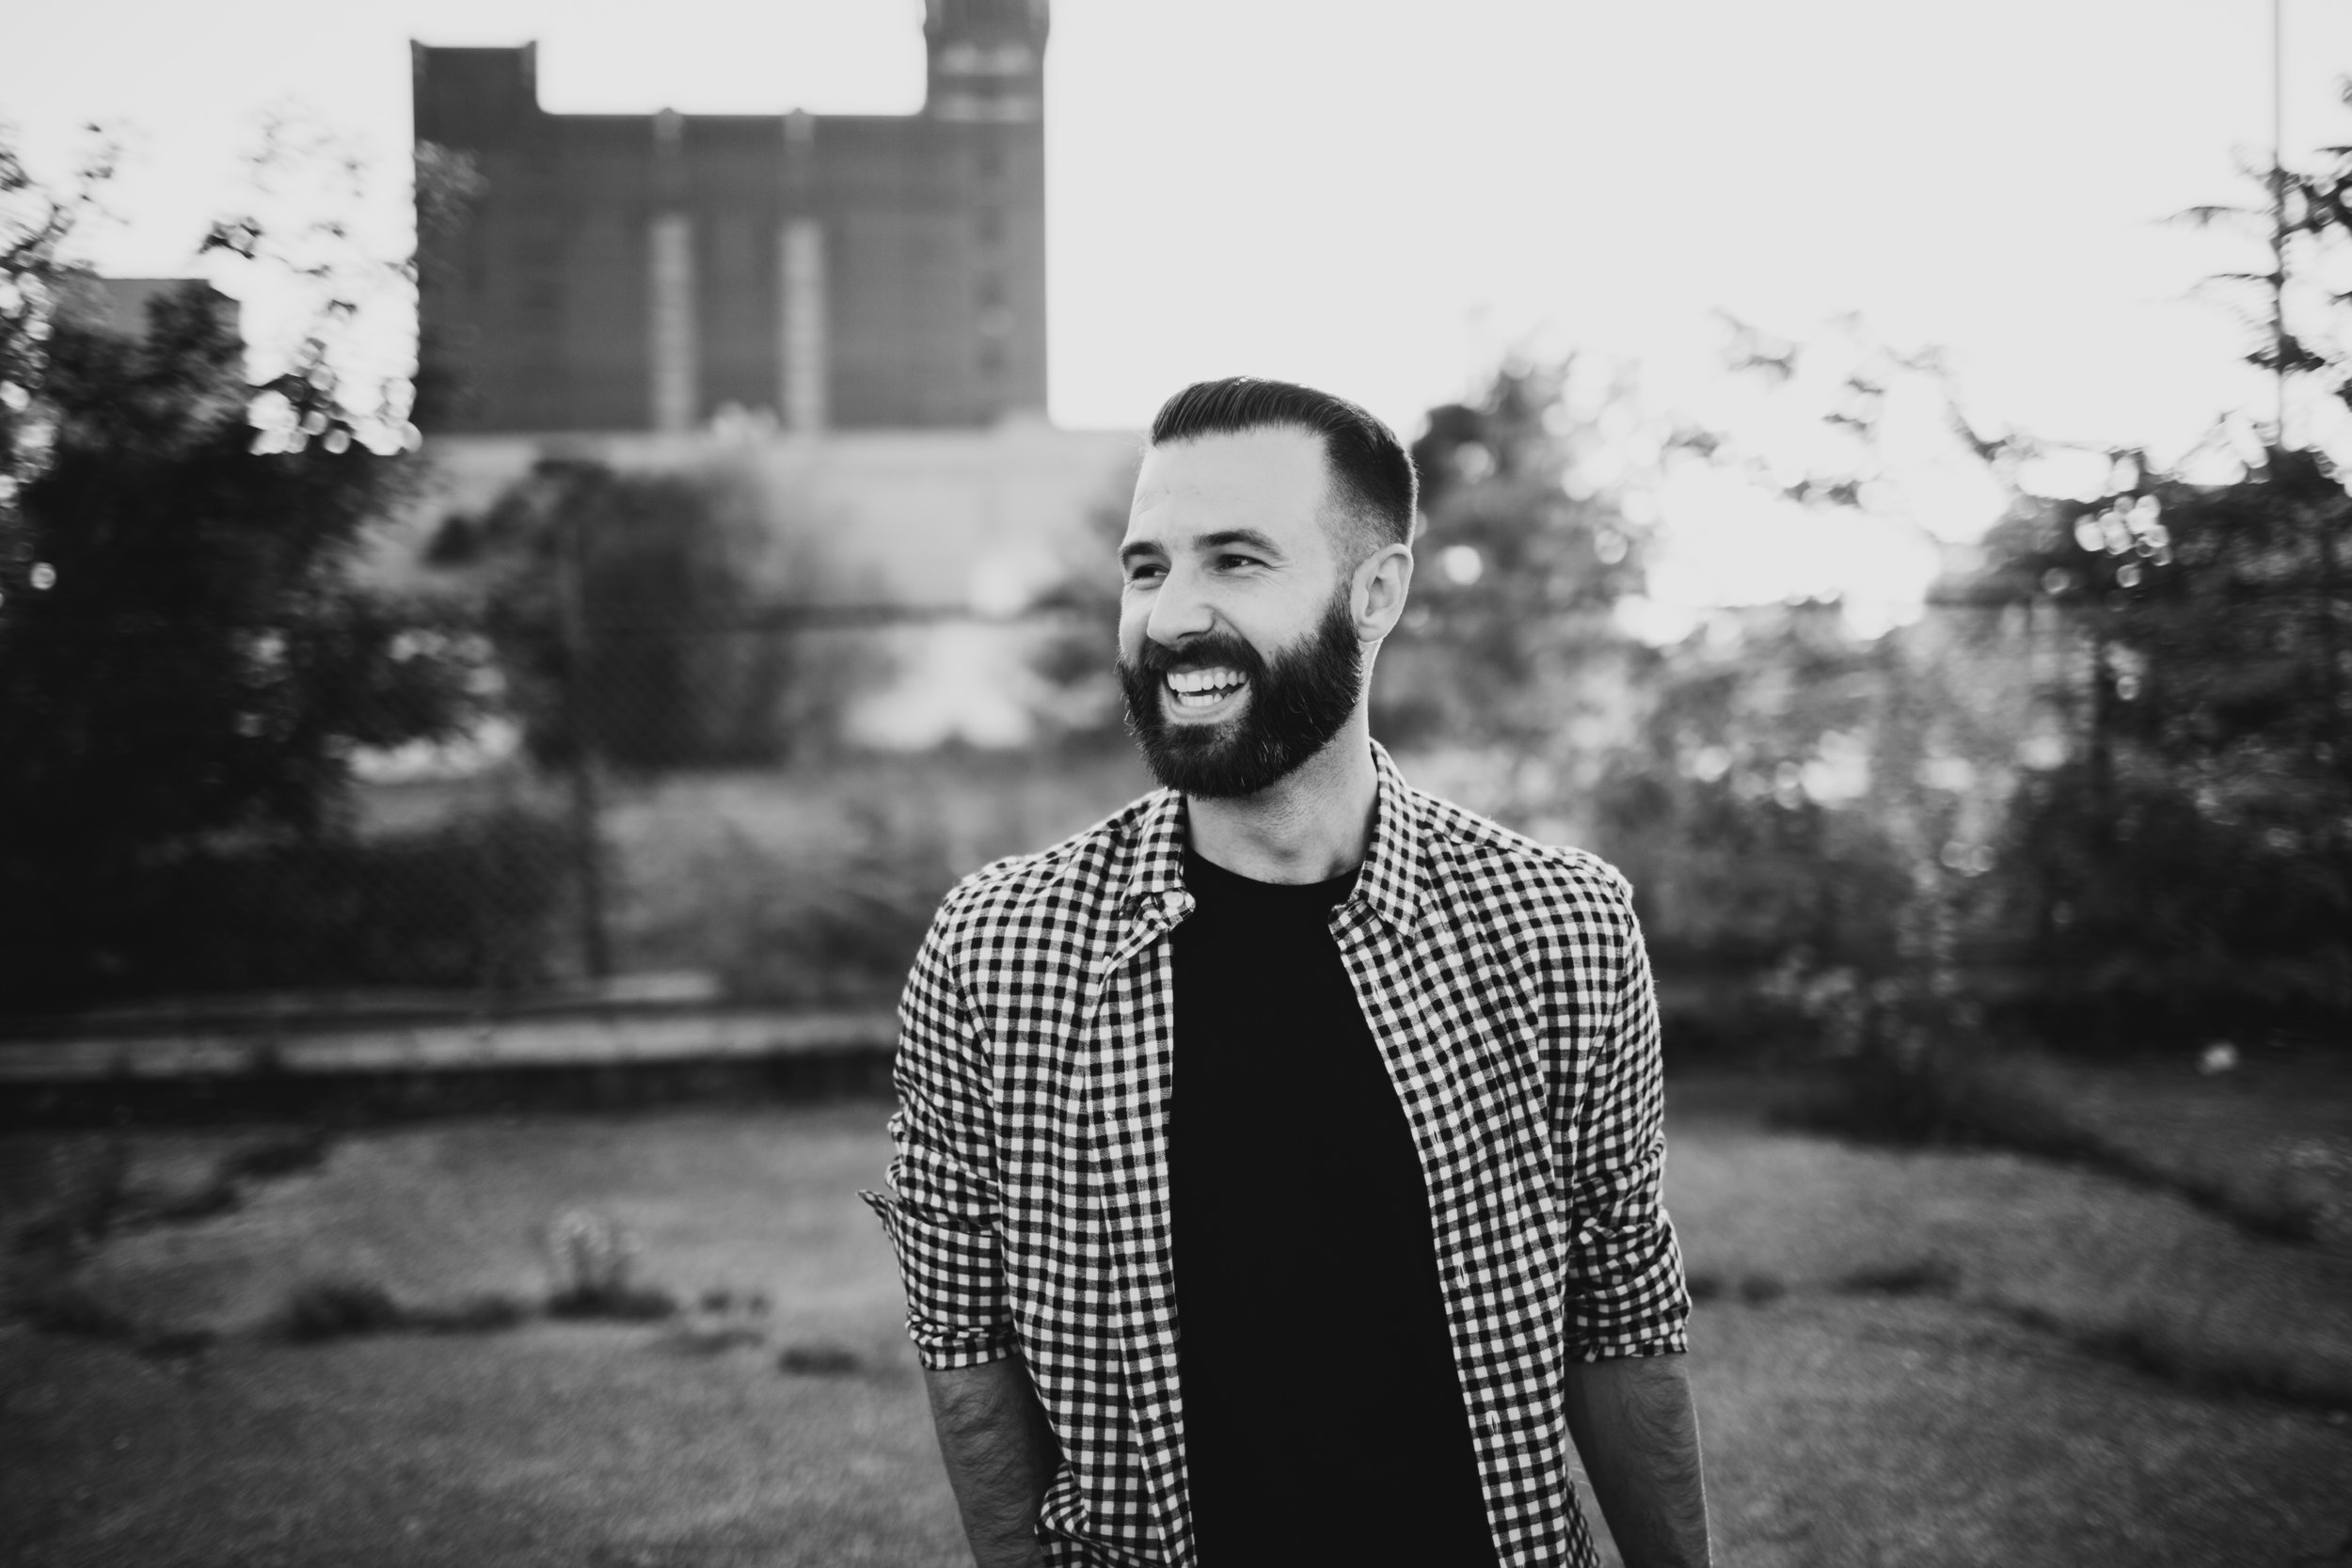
column 91, row 1206
column 469, row 904
column 774, row 929
column 1919, row 1276
column 670, row 661
column 61, row 1306
column 592, row 1259
column 198, row 663
column 818, row 1361
column 278, row 1156
column 324, row 1309
column 486, row 1313
column 620, row 1304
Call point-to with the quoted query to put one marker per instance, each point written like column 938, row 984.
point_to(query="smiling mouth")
column 1203, row 691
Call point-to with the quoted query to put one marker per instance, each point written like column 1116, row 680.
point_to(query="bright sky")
column 1381, row 197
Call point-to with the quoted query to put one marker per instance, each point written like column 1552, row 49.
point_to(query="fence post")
column 587, row 809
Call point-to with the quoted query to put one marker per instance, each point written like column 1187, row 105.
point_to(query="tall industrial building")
column 618, row 273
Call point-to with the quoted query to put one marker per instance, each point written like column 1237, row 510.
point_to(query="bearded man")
column 1277, row 1162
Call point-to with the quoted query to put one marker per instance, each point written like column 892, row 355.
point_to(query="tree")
column 34, row 226
column 629, row 622
column 1527, row 548
column 2299, row 331
column 2189, row 864
column 1078, row 704
column 2191, row 860
column 2157, row 844
column 186, row 669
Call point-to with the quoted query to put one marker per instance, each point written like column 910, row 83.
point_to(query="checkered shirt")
column 1506, row 986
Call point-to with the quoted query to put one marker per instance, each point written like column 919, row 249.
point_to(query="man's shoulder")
column 1490, row 862
column 1065, row 880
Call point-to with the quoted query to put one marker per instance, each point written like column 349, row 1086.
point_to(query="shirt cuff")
column 1672, row 1340
column 938, row 1261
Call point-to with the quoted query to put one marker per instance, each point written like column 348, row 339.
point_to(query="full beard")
column 1293, row 706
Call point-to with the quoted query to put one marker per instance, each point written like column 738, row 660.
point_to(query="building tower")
column 985, row 89
column 611, row 272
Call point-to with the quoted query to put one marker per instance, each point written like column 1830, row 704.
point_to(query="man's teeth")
column 1202, row 687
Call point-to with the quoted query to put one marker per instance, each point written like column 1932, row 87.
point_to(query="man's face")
column 1238, row 653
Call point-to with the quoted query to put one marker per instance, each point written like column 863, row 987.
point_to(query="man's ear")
column 1379, row 592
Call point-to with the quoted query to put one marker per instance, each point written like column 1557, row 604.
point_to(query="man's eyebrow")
column 1247, row 538
column 1223, row 539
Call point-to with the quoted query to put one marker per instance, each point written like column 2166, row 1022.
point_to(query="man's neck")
column 1315, row 825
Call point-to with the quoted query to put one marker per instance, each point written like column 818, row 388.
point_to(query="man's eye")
column 1229, row 562
column 1144, row 571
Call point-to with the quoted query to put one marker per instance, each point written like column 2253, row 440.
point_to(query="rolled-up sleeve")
column 942, row 1219
column 1627, row 1295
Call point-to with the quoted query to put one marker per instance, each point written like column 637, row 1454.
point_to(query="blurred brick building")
column 845, row 312
column 646, row 271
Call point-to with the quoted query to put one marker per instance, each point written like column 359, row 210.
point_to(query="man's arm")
column 1627, row 1398
column 1001, row 1456
column 1633, row 1425
column 943, row 1221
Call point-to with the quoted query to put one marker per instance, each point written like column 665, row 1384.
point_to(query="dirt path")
column 1871, row 1384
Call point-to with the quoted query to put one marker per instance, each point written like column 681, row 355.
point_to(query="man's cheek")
column 1130, row 636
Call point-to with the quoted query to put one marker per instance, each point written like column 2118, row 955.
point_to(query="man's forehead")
column 1273, row 479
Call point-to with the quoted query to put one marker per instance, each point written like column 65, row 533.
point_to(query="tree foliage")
column 629, row 622
column 2193, row 857
column 1734, row 811
column 187, row 668
column 1525, row 552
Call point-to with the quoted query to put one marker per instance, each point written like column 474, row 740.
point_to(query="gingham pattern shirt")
column 1505, row 984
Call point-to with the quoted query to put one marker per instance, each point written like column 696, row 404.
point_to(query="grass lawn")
column 2139, row 1270
column 1889, row 1361
column 2268, row 1142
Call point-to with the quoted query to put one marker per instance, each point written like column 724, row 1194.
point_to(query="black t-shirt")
column 1322, row 1418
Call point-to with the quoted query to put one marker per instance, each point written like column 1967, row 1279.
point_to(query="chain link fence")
column 638, row 812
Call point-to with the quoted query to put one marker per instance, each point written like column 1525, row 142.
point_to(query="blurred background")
column 536, row 542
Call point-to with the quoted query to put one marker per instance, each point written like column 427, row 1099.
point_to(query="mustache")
column 1208, row 651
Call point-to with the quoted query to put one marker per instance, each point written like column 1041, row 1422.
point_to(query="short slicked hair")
column 1372, row 474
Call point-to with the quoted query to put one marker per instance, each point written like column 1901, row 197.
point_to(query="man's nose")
column 1179, row 609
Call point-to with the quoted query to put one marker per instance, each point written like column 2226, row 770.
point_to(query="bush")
column 818, row 1361
column 635, row 1304
column 187, row 664
column 592, row 1260
column 96, row 1194
column 471, row 905
column 278, row 1156
column 780, row 929
column 322, row 1309
column 666, row 657
column 62, row 1307
column 1920, row 1277
column 2190, row 871
column 486, row 1313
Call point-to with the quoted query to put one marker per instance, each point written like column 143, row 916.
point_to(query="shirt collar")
column 1390, row 884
